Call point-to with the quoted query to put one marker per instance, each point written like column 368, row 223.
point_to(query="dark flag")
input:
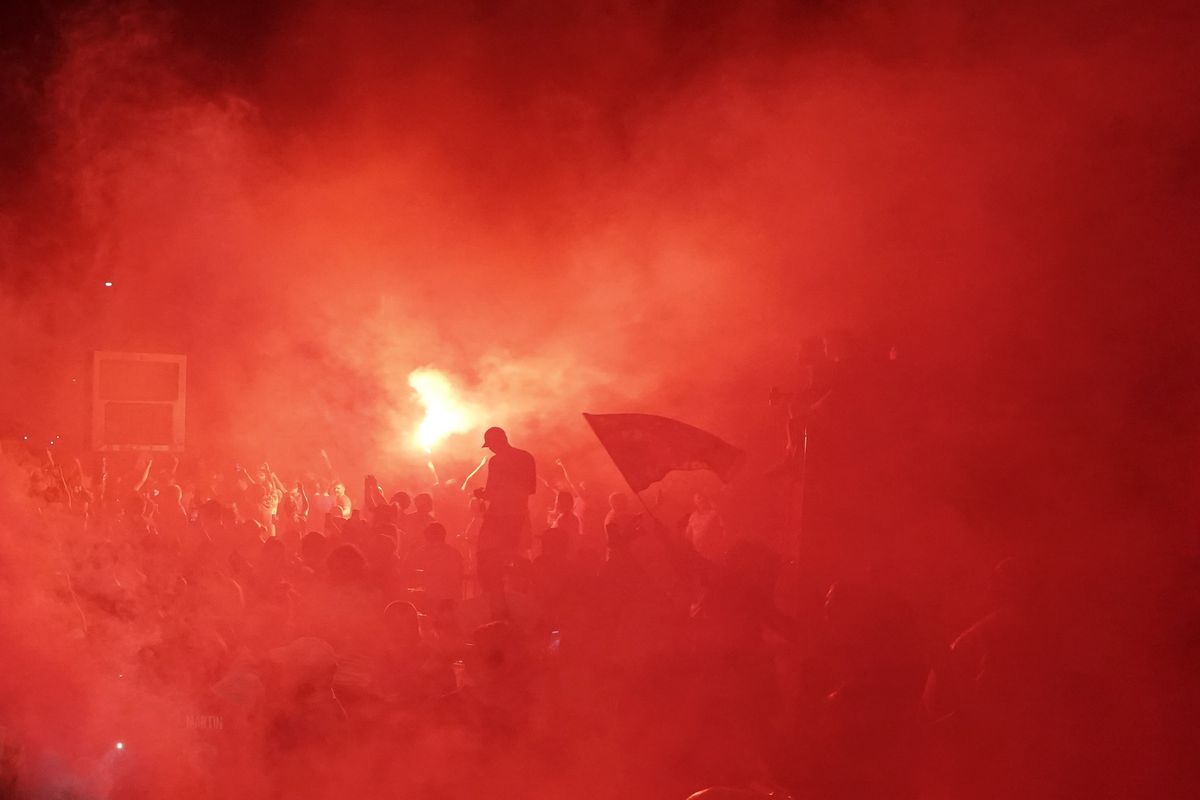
column 646, row 447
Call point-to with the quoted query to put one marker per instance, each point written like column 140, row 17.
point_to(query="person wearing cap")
column 511, row 479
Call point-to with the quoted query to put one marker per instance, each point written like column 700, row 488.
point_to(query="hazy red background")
column 616, row 206
column 631, row 206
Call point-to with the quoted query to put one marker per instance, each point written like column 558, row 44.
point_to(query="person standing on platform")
column 511, row 480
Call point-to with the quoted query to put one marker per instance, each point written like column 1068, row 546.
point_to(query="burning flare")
column 445, row 411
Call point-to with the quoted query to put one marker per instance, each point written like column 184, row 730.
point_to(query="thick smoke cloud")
column 606, row 206
column 610, row 206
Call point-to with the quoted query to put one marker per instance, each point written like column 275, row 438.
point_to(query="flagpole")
column 800, row 504
column 642, row 500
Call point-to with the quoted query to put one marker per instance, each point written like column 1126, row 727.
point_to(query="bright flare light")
column 445, row 411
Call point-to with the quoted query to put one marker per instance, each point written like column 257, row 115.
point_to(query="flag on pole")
column 646, row 447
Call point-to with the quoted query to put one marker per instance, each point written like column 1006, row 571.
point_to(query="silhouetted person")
column 706, row 529
column 1000, row 691
column 868, row 731
column 500, row 678
column 383, row 568
column 401, row 501
column 403, row 655
column 415, row 523
column 303, row 713
column 511, row 480
column 564, row 518
column 440, row 567
column 341, row 501
column 618, row 520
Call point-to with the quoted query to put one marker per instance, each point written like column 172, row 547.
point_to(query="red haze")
column 627, row 206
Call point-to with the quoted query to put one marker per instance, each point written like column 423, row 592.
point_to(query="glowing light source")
column 120, row 745
column 108, row 284
column 445, row 411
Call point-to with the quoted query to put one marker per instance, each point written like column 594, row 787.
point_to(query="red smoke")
column 625, row 206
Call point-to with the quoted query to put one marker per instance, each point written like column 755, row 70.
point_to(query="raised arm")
column 274, row 479
column 567, row 476
column 57, row 471
column 474, row 472
column 329, row 472
column 304, row 504
column 372, row 492
column 103, row 492
column 238, row 469
column 137, row 487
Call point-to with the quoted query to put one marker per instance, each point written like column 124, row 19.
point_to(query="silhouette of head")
column 345, row 564
column 1014, row 582
column 495, row 439
column 313, row 548
column 435, row 532
column 402, row 621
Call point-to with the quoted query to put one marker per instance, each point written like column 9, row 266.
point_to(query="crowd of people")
column 289, row 638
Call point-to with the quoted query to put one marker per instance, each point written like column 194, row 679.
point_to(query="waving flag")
column 646, row 447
